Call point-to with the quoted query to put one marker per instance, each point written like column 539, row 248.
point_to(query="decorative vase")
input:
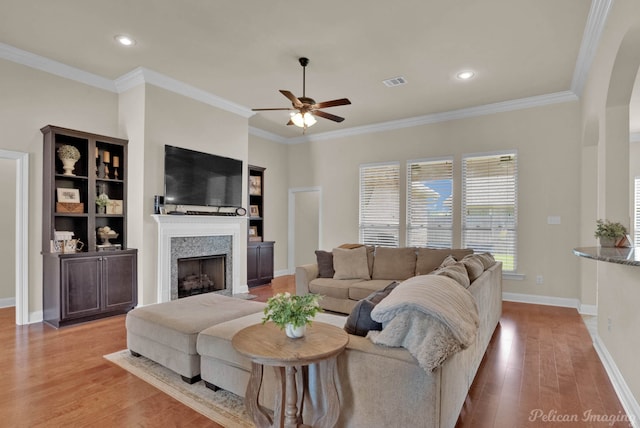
column 295, row 332
column 68, row 165
column 102, row 209
column 607, row 242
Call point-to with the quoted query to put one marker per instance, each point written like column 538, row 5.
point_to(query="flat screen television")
column 196, row 178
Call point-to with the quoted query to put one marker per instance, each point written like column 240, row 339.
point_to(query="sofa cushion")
column 359, row 321
column 456, row 271
column 350, row 263
column 428, row 259
column 337, row 288
column 325, row 264
column 360, row 290
column 394, row 263
column 473, row 265
column 486, row 259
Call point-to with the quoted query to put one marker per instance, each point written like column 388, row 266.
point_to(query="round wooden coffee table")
column 267, row 345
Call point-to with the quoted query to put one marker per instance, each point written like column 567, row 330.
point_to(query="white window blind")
column 636, row 213
column 429, row 203
column 489, row 206
column 380, row 204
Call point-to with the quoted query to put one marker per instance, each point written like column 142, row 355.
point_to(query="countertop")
column 620, row 255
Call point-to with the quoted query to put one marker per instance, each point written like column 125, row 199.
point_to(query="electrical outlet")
column 539, row 279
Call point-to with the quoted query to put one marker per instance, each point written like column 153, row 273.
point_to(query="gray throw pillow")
column 350, row 264
column 325, row 264
column 359, row 321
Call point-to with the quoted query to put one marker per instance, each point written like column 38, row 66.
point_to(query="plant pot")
column 101, row 209
column 295, row 332
column 68, row 165
column 607, row 242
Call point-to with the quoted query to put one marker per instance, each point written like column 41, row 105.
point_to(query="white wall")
column 547, row 141
column 30, row 100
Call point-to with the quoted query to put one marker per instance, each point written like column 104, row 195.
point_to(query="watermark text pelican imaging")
column 539, row 415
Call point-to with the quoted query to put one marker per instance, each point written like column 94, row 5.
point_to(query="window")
column 489, row 206
column 429, row 203
column 380, row 204
column 636, row 214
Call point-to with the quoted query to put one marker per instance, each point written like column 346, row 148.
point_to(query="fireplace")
column 198, row 275
column 186, row 236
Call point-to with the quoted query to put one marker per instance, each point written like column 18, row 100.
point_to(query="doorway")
column 305, row 226
column 21, row 162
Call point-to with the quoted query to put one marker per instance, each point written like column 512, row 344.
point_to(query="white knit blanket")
column 432, row 316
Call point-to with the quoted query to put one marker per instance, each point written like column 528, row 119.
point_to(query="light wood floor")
column 540, row 357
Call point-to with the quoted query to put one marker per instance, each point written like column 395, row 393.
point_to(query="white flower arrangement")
column 102, row 200
column 68, row 152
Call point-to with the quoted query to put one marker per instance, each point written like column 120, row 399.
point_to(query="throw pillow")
column 394, row 263
column 350, row 264
column 486, row 259
column 430, row 258
column 474, row 266
column 359, row 321
column 448, row 261
column 455, row 271
column 325, row 264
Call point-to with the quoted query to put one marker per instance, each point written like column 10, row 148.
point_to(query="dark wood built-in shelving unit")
column 97, row 280
column 259, row 252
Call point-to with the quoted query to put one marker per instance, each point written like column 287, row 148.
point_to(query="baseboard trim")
column 541, row 300
column 7, row 302
column 625, row 395
column 588, row 310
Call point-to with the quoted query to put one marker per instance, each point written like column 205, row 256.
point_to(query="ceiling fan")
column 307, row 107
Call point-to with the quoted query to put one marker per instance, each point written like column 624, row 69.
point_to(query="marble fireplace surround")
column 171, row 227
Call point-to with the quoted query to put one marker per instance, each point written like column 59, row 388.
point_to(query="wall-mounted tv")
column 196, row 178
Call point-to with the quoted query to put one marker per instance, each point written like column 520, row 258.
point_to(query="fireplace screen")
column 197, row 275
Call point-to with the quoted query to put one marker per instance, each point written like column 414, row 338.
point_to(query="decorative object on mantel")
column 292, row 313
column 609, row 233
column 69, row 155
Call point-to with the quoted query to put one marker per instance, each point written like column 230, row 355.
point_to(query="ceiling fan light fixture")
column 303, row 121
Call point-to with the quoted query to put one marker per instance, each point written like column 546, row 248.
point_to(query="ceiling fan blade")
column 296, row 102
column 328, row 116
column 333, row 103
column 268, row 109
column 290, row 122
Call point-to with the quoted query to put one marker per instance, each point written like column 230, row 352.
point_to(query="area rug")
column 221, row 406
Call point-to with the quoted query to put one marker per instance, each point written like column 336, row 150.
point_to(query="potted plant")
column 69, row 155
column 102, row 201
column 292, row 313
column 609, row 232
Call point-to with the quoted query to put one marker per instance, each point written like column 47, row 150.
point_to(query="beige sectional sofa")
column 378, row 386
column 342, row 283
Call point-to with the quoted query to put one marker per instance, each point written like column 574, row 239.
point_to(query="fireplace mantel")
column 173, row 226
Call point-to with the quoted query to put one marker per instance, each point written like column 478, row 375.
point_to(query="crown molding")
column 47, row 65
column 257, row 132
column 505, row 106
column 144, row 75
column 596, row 21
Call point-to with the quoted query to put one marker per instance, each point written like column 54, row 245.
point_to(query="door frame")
column 292, row 222
column 22, row 233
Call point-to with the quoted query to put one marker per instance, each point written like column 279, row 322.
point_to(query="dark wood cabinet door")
column 265, row 274
column 80, row 283
column 259, row 263
column 119, row 281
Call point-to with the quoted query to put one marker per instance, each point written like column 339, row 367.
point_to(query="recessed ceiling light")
column 125, row 40
column 465, row 75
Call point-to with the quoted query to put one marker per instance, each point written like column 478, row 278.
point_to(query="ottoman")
column 167, row 332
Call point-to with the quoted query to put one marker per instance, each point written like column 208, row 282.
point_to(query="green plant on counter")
column 609, row 229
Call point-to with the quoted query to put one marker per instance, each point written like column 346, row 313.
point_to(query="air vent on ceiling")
column 395, row 81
